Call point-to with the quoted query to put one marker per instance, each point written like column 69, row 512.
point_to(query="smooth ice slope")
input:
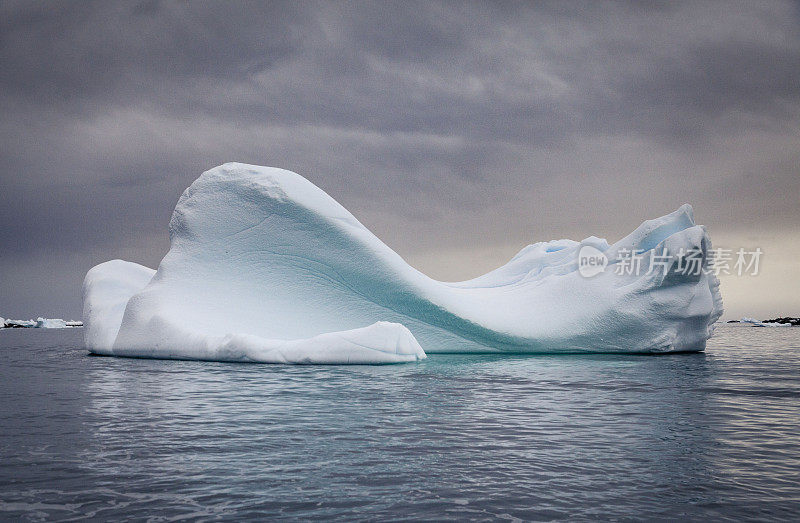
column 265, row 266
column 107, row 289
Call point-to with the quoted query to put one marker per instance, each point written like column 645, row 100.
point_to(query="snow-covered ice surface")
column 265, row 266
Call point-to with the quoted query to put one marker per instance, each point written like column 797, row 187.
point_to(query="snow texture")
column 265, row 266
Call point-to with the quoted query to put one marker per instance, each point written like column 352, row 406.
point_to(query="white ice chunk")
column 21, row 323
column 106, row 291
column 50, row 323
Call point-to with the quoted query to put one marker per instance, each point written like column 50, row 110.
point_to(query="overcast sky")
column 457, row 132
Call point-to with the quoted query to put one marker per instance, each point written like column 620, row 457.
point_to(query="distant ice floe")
column 39, row 323
column 757, row 323
column 266, row 267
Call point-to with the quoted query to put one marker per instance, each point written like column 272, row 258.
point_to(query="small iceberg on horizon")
column 264, row 266
column 767, row 323
column 39, row 323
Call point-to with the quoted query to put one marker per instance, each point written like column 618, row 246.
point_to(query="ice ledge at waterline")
column 264, row 266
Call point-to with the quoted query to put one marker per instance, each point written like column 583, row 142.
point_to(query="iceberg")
column 50, row 323
column 20, row 324
column 39, row 323
column 755, row 323
column 264, row 266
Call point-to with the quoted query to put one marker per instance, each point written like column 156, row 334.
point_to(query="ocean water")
column 689, row 436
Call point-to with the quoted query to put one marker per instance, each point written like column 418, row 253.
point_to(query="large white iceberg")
column 265, row 266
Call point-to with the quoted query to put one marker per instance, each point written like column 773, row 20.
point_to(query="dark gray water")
column 695, row 436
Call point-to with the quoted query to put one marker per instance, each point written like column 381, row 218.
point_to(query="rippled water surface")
column 697, row 436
